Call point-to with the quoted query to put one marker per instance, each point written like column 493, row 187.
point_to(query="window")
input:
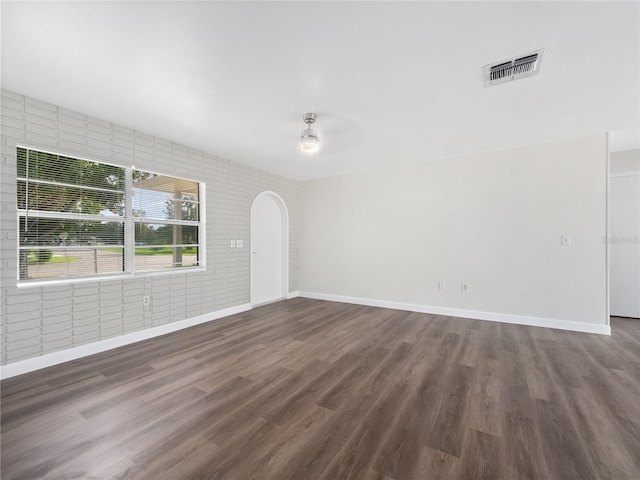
column 166, row 212
column 83, row 218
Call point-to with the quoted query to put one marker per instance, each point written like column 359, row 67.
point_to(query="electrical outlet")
column 239, row 244
column 232, row 244
column 464, row 288
column 565, row 240
column 442, row 285
column 146, row 300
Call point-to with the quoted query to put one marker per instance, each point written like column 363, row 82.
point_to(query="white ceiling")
column 391, row 82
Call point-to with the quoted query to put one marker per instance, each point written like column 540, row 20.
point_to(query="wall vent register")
column 514, row 68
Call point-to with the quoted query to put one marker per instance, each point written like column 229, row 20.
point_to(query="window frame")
column 128, row 220
column 151, row 220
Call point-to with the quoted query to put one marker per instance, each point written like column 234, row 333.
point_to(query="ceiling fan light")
column 309, row 141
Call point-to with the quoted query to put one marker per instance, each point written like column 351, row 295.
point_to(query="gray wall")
column 492, row 220
column 37, row 320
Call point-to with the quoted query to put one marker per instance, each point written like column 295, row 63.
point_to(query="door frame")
column 610, row 237
column 285, row 242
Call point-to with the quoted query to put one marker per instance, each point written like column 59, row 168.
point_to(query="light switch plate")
column 239, row 244
column 232, row 244
column 565, row 240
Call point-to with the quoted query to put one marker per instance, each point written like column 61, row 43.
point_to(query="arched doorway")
column 269, row 276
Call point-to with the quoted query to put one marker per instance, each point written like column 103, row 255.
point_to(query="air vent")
column 514, row 69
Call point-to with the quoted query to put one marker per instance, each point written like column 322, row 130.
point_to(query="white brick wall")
column 43, row 319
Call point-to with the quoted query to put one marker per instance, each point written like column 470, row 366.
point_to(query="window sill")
column 106, row 278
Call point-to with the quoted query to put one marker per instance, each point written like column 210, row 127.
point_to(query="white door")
column 269, row 246
column 624, row 245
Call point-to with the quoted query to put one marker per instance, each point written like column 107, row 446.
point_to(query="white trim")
column 109, row 277
column 31, row 364
column 624, row 174
column 291, row 295
column 476, row 315
column 607, row 229
column 129, row 224
column 202, row 229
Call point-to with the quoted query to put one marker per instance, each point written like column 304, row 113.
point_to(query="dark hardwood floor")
column 306, row 389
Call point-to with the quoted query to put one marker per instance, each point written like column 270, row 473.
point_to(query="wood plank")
column 523, row 453
column 485, row 412
column 481, row 458
column 566, row 457
column 447, row 432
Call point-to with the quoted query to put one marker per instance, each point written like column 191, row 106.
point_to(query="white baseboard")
column 32, row 364
column 477, row 315
column 293, row 295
